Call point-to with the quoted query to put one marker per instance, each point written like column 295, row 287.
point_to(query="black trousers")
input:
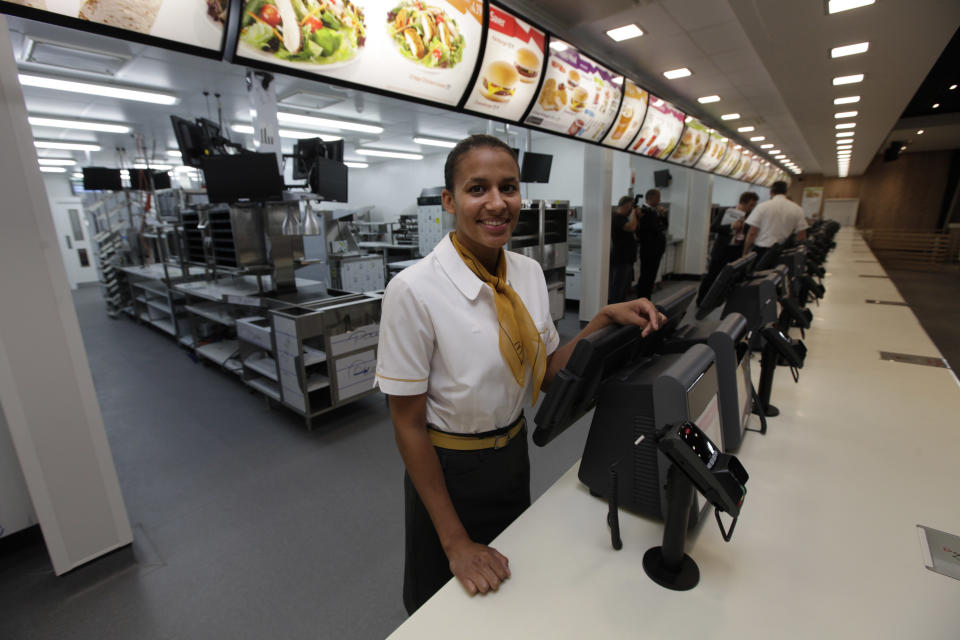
column 489, row 489
column 650, row 255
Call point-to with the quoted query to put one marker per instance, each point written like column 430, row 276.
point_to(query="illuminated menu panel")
column 186, row 22
column 712, row 157
column 742, row 166
column 660, row 131
column 753, row 171
column 579, row 97
column 731, row 160
column 631, row 115
column 425, row 50
column 693, row 142
column 510, row 70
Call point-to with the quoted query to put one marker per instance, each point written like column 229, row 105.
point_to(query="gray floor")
column 245, row 524
column 935, row 299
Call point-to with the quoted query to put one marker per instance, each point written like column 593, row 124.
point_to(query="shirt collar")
column 457, row 270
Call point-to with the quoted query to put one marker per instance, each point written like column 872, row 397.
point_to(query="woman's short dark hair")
column 476, row 141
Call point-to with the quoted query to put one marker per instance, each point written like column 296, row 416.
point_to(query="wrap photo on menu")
column 731, row 158
column 660, row 131
column 754, row 170
column 742, row 167
column 190, row 22
column 693, row 142
column 631, row 115
column 510, row 69
column 712, row 157
column 412, row 48
column 579, row 97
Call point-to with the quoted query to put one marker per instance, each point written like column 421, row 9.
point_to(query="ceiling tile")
column 696, row 14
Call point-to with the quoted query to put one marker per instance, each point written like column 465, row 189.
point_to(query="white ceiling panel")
column 721, row 38
column 697, row 14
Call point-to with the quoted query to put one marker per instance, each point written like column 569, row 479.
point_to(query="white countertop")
column 826, row 546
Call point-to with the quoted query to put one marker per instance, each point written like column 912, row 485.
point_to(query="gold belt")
column 462, row 442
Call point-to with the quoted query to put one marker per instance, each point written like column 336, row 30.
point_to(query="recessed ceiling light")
column 68, row 146
column 844, row 147
column 746, row 129
column 737, row 146
column 903, row 148
column 780, row 156
column 730, row 116
column 291, row 134
column 174, row 153
column 673, row 74
column 836, row 6
column 849, row 50
column 845, row 125
column 774, row 152
column 326, row 123
column 625, row 33
column 356, row 165
column 847, row 100
column 80, row 125
column 708, row 99
column 919, row 132
column 952, row 87
column 53, row 169
column 558, row 45
column 757, row 138
column 845, row 134
column 936, row 105
column 852, row 79
column 57, row 162
column 769, row 145
column 433, row 142
column 845, row 114
column 105, row 90
column 389, row 154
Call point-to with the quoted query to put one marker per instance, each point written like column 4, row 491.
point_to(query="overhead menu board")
column 731, row 158
column 742, row 166
column 693, row 142
column 579, row 97
column 765, row 172
column 425, row 50
column 182, row 22
column 756, row 164
column 632, row 111
column 716, row 149
column 511, row 66
column 660, row 131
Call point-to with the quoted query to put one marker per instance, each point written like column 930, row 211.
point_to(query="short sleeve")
column 548, row 330
column 406, row 342
column 753, row 219
column 801, row 222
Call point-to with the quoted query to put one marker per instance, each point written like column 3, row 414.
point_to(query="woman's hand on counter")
column 640, row 312
column 479, row 568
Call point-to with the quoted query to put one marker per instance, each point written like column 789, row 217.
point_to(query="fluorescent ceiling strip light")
column 769, row 145
column 104, row 90
column 389, row 154
column 730, row 116
column 849, row 50
column 845, row 134
column 845, row 125
column 284, row 133
column 154, row 167
column 936, row 105
column 53, row 169
column 780, row 157
column 758, row 138
column 836, row 6
column 745, row 129
column 57, row 162
column 174, row 153
column 846, row 100
column 356, row 165
column 852, row 79
column 774, row 152
column 625, row 32
column 67, row 146
column 433, row 142
column 673, row 74
column 56, row 123
column 846, row 114
column 708, row 99
column 326, row 123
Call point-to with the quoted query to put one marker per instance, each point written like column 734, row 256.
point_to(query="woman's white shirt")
column 439, row 335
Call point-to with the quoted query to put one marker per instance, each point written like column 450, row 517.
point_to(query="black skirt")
column 489, row 489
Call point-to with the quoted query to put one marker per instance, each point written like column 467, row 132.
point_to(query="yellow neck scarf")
column 520, row 342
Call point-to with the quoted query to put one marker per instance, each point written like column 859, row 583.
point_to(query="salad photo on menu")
column 306, row 31
column 425, row 34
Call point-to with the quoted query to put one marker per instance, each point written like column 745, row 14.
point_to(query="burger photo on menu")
column 425, row 34
column 527, row 65
column 320, row 32
column 499, row 81
column 579, row 99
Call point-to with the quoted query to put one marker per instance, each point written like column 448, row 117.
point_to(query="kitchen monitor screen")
column 535, row 167
column 101, row 179
column 247, row 176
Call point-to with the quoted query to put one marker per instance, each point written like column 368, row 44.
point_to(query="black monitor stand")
column 668, row 565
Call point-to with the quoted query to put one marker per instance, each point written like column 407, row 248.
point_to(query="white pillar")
column 697, row 237
column 595, row 246
column 46, row 390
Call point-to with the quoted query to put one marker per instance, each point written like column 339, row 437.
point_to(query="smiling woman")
column 466, row 341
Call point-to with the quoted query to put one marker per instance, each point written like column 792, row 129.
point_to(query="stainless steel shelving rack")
column 541, row 234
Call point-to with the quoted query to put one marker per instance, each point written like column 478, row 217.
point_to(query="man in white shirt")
column 774, row 221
